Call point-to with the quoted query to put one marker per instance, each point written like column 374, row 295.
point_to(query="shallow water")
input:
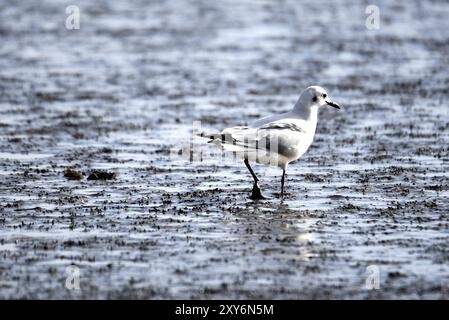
column 122, row 93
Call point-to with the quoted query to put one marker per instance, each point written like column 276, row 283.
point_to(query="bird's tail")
column 223, row 137
column 228, row 142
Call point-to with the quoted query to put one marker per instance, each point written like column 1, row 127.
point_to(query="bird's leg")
column 256, row 193
column 282, row 183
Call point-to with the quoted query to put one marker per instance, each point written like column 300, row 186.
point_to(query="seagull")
column 276, row 140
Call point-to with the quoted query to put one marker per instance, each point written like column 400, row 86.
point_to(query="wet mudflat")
column 90, row 121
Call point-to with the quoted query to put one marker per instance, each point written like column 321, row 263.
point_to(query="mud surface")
column 116, row 97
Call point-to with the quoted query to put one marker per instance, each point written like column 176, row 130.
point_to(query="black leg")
column 256, row 193
column 251, row 171
column 282, row 183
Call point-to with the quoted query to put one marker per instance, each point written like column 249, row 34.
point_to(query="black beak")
column 333, row 104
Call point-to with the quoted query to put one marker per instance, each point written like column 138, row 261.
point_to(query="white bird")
column 276, row 140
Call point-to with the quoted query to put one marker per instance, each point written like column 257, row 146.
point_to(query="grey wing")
column 273, row 138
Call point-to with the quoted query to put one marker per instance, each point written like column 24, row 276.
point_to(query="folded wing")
column 275, row 143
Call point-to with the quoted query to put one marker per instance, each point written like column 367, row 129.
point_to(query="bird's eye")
column 324, row 95
column 315, row 99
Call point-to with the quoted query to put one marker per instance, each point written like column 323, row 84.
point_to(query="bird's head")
column 315, row 97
